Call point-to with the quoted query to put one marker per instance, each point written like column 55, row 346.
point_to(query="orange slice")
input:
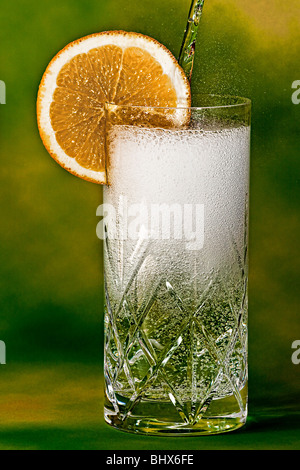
column 117, row 68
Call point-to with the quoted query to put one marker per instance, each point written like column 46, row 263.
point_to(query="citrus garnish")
column 99, row 74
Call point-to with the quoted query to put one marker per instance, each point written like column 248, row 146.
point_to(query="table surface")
column 59, row 407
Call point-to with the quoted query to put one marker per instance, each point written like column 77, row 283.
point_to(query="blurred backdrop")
column 51, row 282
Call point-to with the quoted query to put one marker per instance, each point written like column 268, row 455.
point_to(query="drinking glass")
column 175, row 230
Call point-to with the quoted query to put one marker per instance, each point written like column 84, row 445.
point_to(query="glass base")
column 168, row 424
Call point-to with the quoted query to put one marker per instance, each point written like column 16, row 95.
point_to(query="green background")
column 51, row 283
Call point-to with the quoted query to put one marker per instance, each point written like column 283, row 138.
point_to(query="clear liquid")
column 187, row 52
column 176, row 316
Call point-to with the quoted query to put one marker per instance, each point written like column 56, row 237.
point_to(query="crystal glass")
column 175, row 229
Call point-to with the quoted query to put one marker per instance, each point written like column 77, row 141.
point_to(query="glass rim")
column 234, row 101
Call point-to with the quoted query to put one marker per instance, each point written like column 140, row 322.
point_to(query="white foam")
column 210, row 168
